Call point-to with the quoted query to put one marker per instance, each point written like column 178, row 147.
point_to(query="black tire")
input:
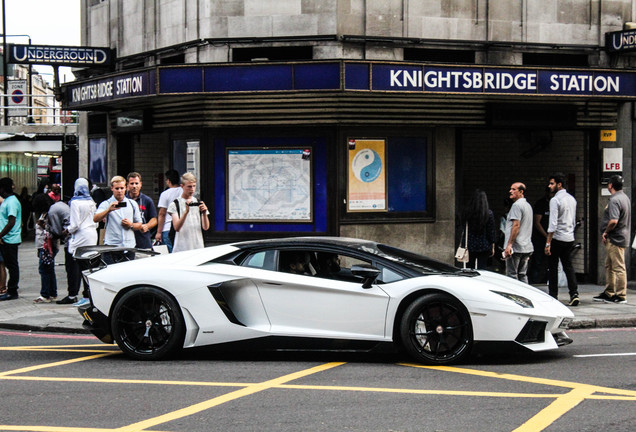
column 147, row 324
column 436, row 329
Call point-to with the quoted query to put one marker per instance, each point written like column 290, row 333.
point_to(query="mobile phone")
column 121, row 204
column 194, row 204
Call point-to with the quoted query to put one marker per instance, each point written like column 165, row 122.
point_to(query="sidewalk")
column 23, row 314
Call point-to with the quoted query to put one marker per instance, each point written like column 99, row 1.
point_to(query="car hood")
column 498, row 282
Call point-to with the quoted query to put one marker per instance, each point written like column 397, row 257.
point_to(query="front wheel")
column 147, row 324
column 436, row 329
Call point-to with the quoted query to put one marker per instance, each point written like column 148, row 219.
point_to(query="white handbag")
column 461, row 254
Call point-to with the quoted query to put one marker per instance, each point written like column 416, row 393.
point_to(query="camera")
column 121, row 204
column 194, row 204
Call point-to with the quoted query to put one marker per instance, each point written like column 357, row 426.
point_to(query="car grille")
column 532, row 332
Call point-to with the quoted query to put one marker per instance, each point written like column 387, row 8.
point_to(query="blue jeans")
column 165, row 239
column 47, row 277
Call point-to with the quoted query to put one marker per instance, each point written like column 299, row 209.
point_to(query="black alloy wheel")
column 436, row 329
column 147, row 324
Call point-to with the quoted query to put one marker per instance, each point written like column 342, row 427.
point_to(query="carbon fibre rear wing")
column 94, row 258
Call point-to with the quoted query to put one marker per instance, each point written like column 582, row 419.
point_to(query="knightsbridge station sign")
column 352, row 76
column 60, row 55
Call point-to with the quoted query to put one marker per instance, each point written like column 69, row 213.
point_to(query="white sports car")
column 323, row 290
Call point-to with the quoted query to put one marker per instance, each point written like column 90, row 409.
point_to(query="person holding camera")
column 189, row 216
column 120, row 214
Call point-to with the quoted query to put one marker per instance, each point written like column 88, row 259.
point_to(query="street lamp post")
column 5, row 100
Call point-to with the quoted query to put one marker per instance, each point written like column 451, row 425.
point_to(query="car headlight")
column 521, row 301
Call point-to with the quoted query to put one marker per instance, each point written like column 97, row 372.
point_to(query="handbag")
column 461, row 254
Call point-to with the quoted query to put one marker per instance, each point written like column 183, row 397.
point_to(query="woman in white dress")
column 83, row 232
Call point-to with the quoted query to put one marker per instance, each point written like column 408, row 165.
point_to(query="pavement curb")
column 614, row 322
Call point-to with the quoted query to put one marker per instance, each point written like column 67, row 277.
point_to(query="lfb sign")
column 612, row 160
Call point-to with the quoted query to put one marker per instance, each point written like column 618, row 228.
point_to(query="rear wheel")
column 436, row 329
column 147, row 324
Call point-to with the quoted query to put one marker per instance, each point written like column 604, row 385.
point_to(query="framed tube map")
column 367, row 186
column 269, row 184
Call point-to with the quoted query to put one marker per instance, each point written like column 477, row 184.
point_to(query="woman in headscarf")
column 83, row 233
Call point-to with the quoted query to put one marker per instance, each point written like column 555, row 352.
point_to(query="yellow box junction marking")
column 562, row 402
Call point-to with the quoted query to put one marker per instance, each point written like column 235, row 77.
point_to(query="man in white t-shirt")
column 189, row 218
column 164, row 220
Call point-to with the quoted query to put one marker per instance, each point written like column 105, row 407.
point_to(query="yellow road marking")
column 533, row 380
column 255, row 388
column 55, row 364
column 561, row 405
column 54, row 429
column 556, row 409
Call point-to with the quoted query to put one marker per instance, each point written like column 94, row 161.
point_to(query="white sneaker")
column 42, row 300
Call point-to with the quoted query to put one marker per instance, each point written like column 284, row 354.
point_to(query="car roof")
column 342, row 242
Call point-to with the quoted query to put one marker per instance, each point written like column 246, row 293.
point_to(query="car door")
column 317, row 304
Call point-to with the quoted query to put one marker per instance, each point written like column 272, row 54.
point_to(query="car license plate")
column 565, row 322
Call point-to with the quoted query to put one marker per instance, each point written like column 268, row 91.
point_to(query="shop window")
column 439, row 55
column 388, row 178
column 173, row 59
column 272, row 54
column 561, row 59
column 97, row 154
column 186, row 157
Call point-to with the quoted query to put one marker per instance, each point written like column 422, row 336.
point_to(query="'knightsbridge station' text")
column 504, row 81
column 128, row 86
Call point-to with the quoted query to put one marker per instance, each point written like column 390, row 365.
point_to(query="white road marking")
column 606, row 355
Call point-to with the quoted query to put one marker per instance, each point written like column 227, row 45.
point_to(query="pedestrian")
column 560, row 241
column 25, row 202
column 46, row 250
column 82, row 231
column 538, row 268
column 164, row 223
column 143, row 237
column 189, row 216
column 56, row 192
column 121, row 216
column 10, row 236
column 518, row 244
column 480, row 222
column 615, row 226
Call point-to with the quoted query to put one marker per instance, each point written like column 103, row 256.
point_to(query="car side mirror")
column 367, row 272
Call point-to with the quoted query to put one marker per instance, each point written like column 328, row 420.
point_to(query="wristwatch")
column 547, row 244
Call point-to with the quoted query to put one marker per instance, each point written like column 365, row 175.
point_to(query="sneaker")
column 67, row 300
column 617, row 299
column 53, row 298
column 42, row 300
column 602, row 297
column 82, row 302
column 574, row 301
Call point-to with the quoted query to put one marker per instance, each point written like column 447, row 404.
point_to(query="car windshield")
column 412, row 260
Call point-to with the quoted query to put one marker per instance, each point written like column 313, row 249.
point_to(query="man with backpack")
column 189, row 216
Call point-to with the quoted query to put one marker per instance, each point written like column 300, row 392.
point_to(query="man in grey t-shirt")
column 518, row 240
column 615, row 226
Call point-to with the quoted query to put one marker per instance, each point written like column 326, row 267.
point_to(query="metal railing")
column 35, row 112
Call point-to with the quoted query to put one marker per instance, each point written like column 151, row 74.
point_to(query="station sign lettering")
column 60, row 55
column 502, row 81
column 118, row 87
column 354, row 76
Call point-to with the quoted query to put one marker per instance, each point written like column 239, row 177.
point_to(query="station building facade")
column 361, row 119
